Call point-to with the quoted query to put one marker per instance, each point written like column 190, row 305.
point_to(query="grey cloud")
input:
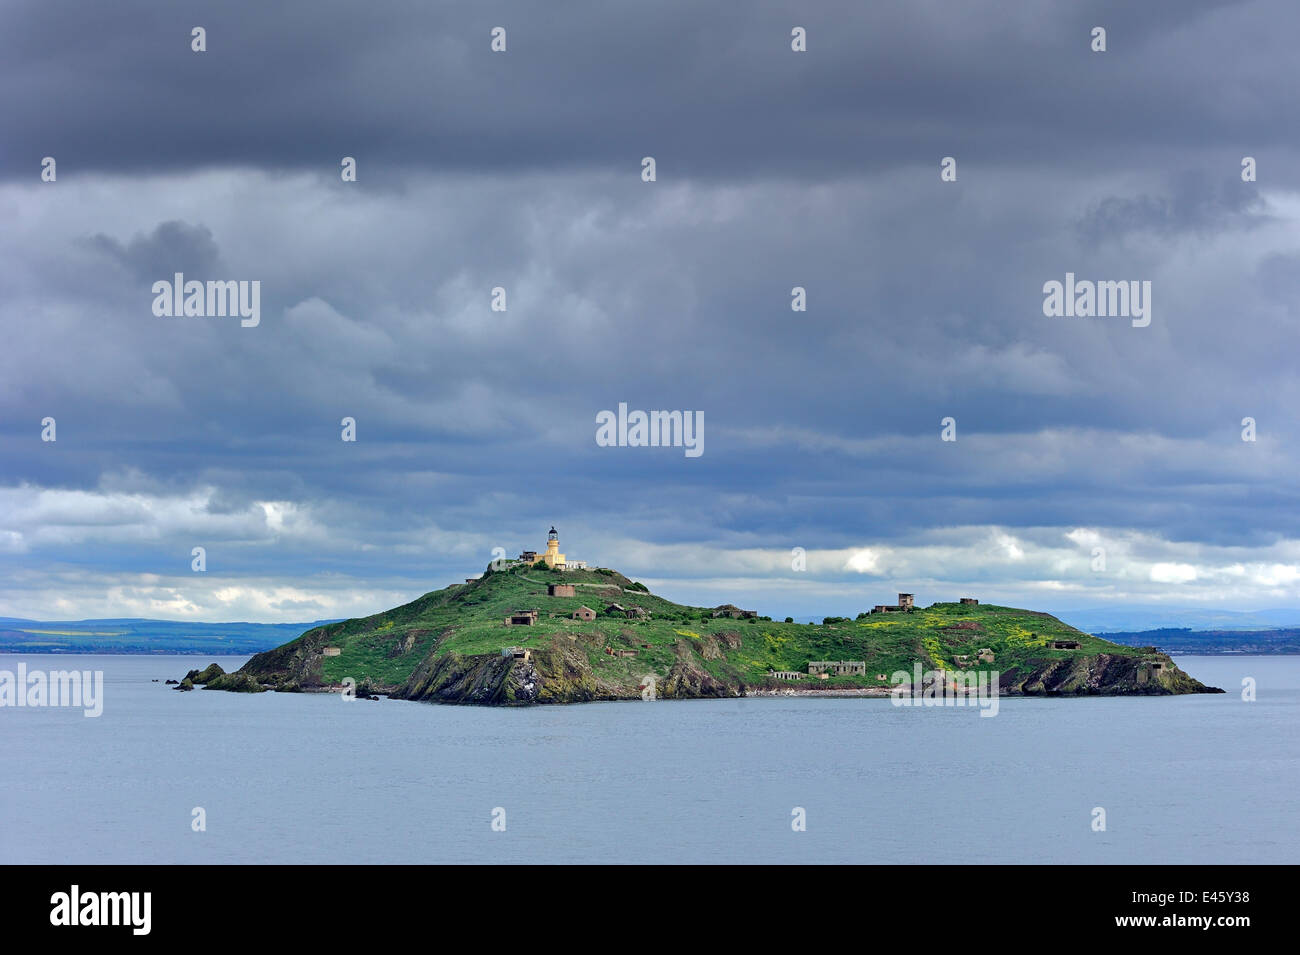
column 710, row 91
column 171, row 247
column 822, row 428
column 1198, row 204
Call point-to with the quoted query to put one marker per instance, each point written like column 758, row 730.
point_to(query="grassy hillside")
column 447, row 645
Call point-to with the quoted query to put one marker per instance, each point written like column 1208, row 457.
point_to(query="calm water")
column 313, row 778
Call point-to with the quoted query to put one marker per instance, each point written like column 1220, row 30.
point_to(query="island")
column 543, row 629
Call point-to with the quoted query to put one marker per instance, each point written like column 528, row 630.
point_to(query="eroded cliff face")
column 570, row 669
column 488, row 680
column 557, row 676
column 1102, row 674
column 688, row 680
column 560, row 673
column 294, row 666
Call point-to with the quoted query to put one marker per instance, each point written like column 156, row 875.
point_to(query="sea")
column 210, row 777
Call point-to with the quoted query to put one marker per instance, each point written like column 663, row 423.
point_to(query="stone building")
column 904, row 605
column 838, row 667
column 734, row 612
column 561, row 590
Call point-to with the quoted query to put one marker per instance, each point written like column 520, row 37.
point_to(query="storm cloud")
column 522, row 171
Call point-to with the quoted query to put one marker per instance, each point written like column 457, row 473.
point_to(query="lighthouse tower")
column 553, row 558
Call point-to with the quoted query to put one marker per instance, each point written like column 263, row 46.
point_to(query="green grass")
column 468, row 619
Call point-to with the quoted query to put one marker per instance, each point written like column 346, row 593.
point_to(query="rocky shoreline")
column 494, row 680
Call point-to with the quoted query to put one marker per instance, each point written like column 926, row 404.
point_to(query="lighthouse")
column 553, row 558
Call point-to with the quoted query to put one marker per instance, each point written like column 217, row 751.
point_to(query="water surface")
column 312, row 778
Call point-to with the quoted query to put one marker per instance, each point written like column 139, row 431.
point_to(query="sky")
column 1096, row 463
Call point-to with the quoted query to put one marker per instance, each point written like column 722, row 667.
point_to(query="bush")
column 789, row 619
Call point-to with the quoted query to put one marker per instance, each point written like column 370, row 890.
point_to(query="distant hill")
column 1171, row 640
column 454, row 645
column 137, row 635
column 1134, row 619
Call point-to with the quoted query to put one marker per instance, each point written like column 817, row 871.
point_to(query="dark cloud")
column 171, row 247
column 522, row 171
column 1199, row 205
column 711, row 90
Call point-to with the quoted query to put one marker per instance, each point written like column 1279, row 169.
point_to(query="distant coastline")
column 1282, row 641
column 130, row 635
